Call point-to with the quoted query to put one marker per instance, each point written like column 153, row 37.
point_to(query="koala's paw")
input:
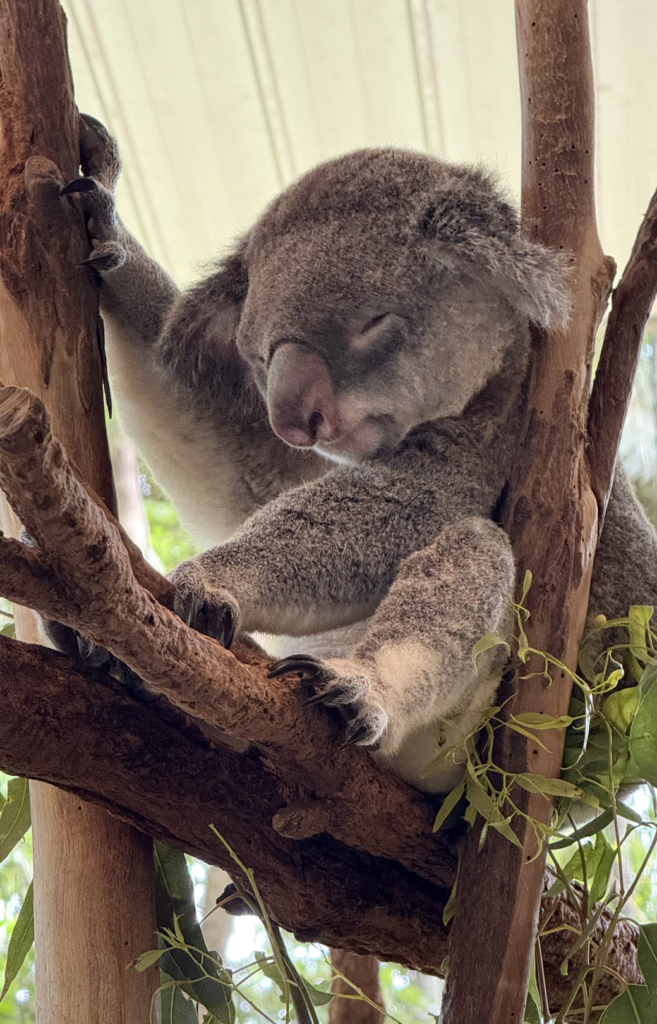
column 99, row 152
column 105, row 256
column 214, row 612
column 350, row 694
column 69, row 641
column 97, row 204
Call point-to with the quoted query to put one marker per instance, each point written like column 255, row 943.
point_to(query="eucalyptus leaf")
column 639, row 621
column 590, row 829
column 625, row 811
column 147, row 959
column 448, row 806
column 620, row 707
column 505, row 829
column 533, row 1013
column 638, row 1005
column 15, row 816
column 537, row 720
column 176, row 1007
column 21, row 940
column 450, row 906
column 486, row 644
column 199, row 972
column 643, row 731
column 598, row 887
column 548, row 787
column 317, row 995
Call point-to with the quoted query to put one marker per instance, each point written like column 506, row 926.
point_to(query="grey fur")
column 377, row 315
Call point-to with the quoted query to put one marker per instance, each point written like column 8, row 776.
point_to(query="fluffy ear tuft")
column 535, row 281
column 473, row 227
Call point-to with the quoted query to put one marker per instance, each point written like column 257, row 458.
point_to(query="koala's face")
column 370, row 307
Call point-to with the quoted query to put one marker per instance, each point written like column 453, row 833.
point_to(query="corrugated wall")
column 219, row 103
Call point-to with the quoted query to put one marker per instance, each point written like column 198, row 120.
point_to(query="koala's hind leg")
column 414, row 668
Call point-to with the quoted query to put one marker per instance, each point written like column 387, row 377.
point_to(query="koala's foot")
column 336, row 687
column 69, row 641
column 212, row 612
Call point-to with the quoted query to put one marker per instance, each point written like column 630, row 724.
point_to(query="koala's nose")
column 300, row 397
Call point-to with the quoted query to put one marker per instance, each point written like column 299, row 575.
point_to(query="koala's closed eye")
column 373, row 330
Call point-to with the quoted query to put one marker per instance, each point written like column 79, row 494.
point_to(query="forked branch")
column 631, row 306
column 82, row 575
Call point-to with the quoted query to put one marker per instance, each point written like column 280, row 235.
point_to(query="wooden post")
column 551, row 510
column 94, row 892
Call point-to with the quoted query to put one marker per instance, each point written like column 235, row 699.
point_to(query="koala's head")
column 382, row 290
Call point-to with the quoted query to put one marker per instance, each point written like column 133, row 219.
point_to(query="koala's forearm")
column 137, row 295
column 324, row 556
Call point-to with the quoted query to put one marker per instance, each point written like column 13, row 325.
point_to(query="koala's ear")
column 475, row 230
column 535, row 281
column 198, row 338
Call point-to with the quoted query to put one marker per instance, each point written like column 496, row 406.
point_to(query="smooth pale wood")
column 94, row 896
column 364, row 972
column 551, row 512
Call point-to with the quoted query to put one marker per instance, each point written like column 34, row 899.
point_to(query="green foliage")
column 192, row 977
column 22, row 938
column 16, row 953
column 7, row 627
column 168, row 537
column 610, row 743
column 15, row 816
column 638, row 1004
column 183, row 954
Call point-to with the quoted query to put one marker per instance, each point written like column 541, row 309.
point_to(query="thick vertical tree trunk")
column 551, row 509
column 93, row 875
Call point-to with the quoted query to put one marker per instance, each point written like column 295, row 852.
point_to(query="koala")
column 333, row 410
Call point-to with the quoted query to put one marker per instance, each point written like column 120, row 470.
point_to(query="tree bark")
column 631, row 306
column 364, row 972
column 170, row 776
column 74, row 574
column 551, row 512
column 94, row 896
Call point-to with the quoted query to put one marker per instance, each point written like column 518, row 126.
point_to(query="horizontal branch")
column 81, row 574
column 377, row 884
column 166, row 773
column 631, row 306
column 171, row 776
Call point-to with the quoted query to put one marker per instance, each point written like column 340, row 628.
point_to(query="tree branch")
column 169, row 775
column 172, row 776
column 550, row 514
column 631, row 306
column 376, row 885
column 81, row 575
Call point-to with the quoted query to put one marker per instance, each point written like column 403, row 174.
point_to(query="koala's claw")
column 99, row 154
column 79, row 185
column 214, row 613
column 303, row 665
column 366, row 721
column 105, row 256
